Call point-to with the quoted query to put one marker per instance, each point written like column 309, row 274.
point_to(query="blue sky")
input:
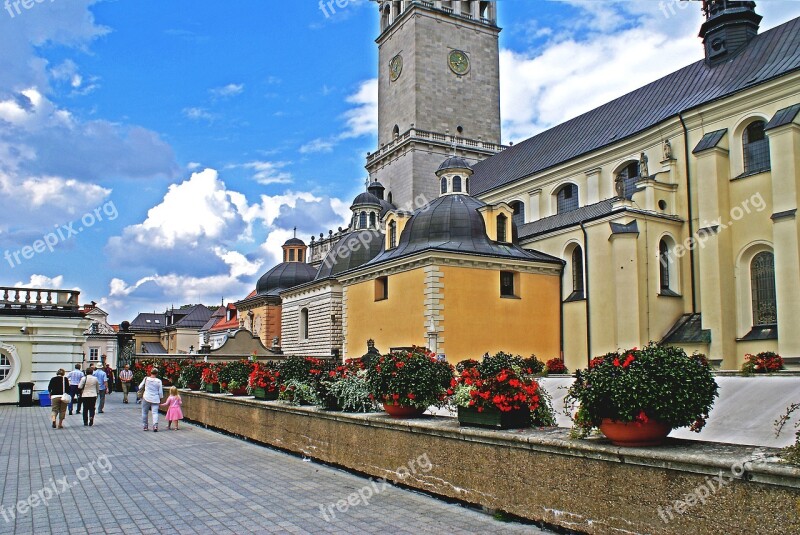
column 165, row 150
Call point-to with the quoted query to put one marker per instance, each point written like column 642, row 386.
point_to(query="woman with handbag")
column 89, row 388
column 59, row 397
column 152, row 391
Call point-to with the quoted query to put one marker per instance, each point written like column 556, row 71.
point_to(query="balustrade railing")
column 415, row 133
column 39, row 299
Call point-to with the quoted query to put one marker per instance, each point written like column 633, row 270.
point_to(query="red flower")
column 616, row 362
column 411, row 395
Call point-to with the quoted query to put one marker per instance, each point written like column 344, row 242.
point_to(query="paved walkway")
column 115, row 478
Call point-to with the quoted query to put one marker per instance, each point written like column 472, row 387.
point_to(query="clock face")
column 459, row 62
column 395, row 67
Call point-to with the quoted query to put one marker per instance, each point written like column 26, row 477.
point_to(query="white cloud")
column 46, row 283
column 363, row 118
column 198, row 114
column 230, row 90
column 318, row 145
column 266, row 173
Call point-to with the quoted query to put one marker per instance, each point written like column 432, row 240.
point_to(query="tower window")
column 389, row 198
column 502, row 221
column 372, row 220
column 362, row 220
column 291, row 255
column 567, row 198
column 577, row 274
column 663, row 265
column 507, row 284
column 456, row 184
column 381, row 288
column 304, row 324
column 444, row 185
column 755, row 146
column 395, row 132
column 392, row 234
column 762, row 287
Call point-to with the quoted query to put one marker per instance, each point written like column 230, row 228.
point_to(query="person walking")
column 110, row 375
column 153, row 392
column 173, row 405
column 125, row 377
column 102, row 380
column 90, row 388
column 75, row 377
column 59, row 385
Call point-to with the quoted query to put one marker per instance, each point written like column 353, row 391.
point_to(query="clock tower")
column 438, row 92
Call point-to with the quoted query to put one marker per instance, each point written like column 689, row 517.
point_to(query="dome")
column 366, row 199
column 376, row 188
column 353, row 250
column 284, row 276
column 294, row 241
column 454, row 162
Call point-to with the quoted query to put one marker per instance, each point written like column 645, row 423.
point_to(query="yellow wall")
column 477, row 320
column 394, row 322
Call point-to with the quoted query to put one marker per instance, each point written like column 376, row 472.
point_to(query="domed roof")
column 353, row 250
column 366, row 198
column 454, row 162
column 284, row 276
column 294, row 241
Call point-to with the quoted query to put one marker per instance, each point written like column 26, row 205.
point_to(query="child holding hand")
column 173, row 405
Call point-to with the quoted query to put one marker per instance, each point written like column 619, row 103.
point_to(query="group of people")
column 86, row 389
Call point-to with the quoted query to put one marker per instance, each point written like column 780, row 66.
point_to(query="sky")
column 159, row 153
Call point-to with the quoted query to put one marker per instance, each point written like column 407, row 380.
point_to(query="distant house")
column 101, row 338
column 173, row 332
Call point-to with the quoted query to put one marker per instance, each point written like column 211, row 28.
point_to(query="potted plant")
column 408, row 382
column 636, row 397
column 263, row 382
column 233, row 376
column 500, row 393
column 555, row 366
column 298, row 393
column 192, row 375
column 764, row 362
column 345, row 388
column 210, row 379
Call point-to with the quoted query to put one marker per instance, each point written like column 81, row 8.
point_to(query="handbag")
column 65, row 397
column 140, row 392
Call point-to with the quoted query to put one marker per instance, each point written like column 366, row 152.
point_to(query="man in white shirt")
column 74, row 377
column 125, row 377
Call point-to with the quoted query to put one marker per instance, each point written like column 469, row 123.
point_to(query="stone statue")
column 371, row 350
column 619, row 186
column 667, row 150
column 644, row 172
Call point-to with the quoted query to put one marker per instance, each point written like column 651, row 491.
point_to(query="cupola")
column 454, row 176
column 730, row 25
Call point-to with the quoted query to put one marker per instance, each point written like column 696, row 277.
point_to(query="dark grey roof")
column 688, row 329
column 157, row 321
column 192, row 318
column 215, row 317
column 628, row 228
column 452, row 223
column 366, row 198
column 769, row 55
column 154, row 348
column 566, row 219
column 294, row 241
column 454, row 162
column 710, row 140
column 761, row 332
column 353, row 250
column 782, row 117
column 284, row 276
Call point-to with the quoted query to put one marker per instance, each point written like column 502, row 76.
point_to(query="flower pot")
column 213, row 388
column 494, row 418
column 632, row 434
column 193, row 386
column 265, row 395
column 241, row 391
column 403, row 411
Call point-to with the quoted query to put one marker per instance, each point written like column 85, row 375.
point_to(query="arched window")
column 663, row 265
column 762, row 286
column 625, row 182
column 372, row 220
column 519, row 213
column 444, row 185
column 567, row 198
column 362, row 220
column 456, row 184
column 755, row 146
column 392, row 234
column 577, row 274
column 304, row 324
column 502, row 220
column 466, row 185
column 389, row 198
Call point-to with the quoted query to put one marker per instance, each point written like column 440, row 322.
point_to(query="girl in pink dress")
column 173, row 405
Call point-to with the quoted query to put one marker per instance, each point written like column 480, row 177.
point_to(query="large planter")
column 403, row 411
column 494, row 418
column 265, row 395
column 241, row 391
column 213, row 388
column 632, row 434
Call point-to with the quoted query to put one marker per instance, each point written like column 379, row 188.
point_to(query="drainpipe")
column 586, row 291
column 689, row 205
column 561, row 312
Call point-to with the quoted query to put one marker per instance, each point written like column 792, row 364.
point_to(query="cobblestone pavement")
column 115, row 478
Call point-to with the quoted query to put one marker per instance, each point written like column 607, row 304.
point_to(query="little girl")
column 173, row 404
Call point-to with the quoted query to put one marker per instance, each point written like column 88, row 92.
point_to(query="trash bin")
column 44, row 399
column 25, row 394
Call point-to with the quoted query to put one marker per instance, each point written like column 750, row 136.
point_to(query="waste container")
column 44, row 398
column 25, row 394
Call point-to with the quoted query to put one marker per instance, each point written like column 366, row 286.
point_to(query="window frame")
column 763, row 163
column 502, row 228
column 381, row 288
column 9, row 382
column 562, row 206
column 505, row 276
column 304, row 315
column 755, row 289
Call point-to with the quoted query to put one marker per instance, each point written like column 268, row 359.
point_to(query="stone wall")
column 584, row 485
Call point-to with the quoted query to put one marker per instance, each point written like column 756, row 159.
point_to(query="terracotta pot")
column 402, row 411
column 633, row 434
